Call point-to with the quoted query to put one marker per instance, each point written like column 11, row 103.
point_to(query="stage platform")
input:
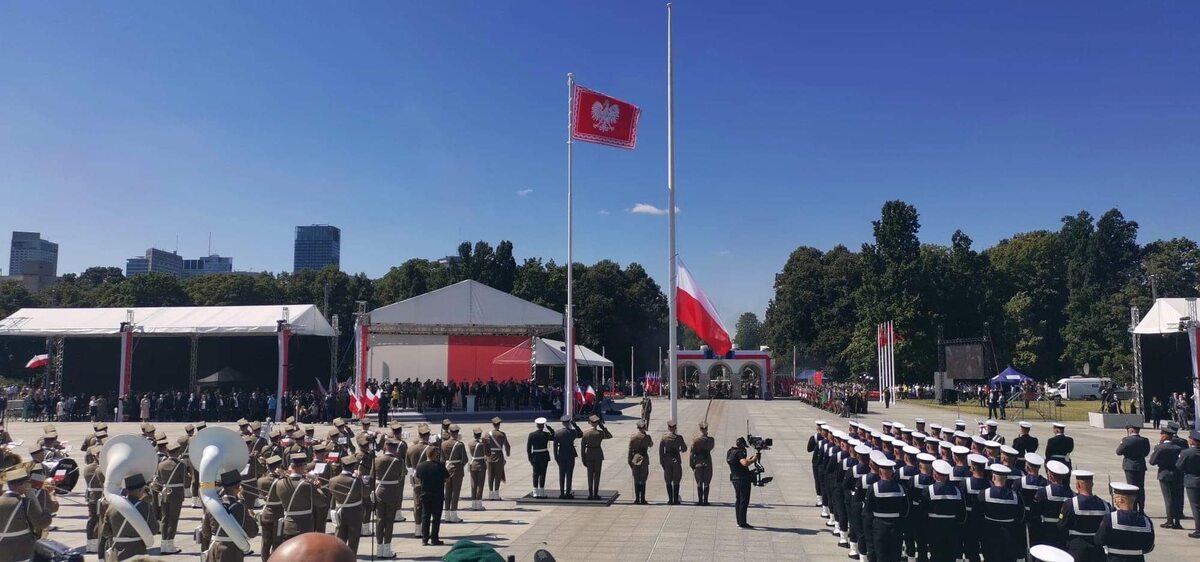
column 607, row 497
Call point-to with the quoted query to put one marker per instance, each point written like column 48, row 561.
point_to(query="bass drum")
column 64, row 472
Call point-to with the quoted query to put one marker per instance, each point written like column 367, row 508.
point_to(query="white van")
column 1079, row 388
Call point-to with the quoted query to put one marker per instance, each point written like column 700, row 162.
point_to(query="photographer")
column 739, row 475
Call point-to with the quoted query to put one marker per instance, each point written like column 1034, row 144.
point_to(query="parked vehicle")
column 1079, row 388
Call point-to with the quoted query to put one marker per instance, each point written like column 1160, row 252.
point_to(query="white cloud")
column 523, row 192
column 724, row 252
column 604, row 212
column 647, row 209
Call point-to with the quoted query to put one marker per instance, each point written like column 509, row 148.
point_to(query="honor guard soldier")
column 1025, row 443
column 855, row 486
column 815, row 441
column 1003, row 519
column 1028, row 486
column 322, row 470
column 389, row 469
column 223, row 548
column 264, row 484
column 1135, row 448
column 537, row 448
column 647, row 406
column 669, row 449
column 414, row 456
column 700, row 460
column 445, row 434
column 172, row 479
column 93, row 481
column 945, row 512
column 905, row 475
column 126, row 542
column 593, row 454
column 973, row 488
column 1059, row 447
column 454, row 454
column 845, row 464
column 1165, row 456
column 478, row 469
column 292, row 499
column 498, row 451
column 564, row 455
column 1189, row 465
column 350, row 500
column 639, row 461
column 918, row 534
column 1081, row 517
column 1048, row 505
column 1126, row 535
column 24, row 517
column 886, row 503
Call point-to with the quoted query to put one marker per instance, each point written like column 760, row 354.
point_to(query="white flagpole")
column 891, row 359
column 569, row 375
column 672, row 322
column 879, row 359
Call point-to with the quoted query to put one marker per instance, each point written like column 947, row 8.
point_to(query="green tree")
column 13, row 297
column 145, row 290
column 1173, row 267
column 1030, row 279
column 748, row 331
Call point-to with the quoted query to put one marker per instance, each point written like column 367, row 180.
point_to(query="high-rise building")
column 317, row 246
column 155, row 261
column 29, row 247
column 207, row 265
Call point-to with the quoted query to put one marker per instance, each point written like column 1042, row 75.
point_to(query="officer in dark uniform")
column 537, row 448
column 1081, row 517
column 1126, row 535
column 917, row 516
column 564, row 455
column 865, row 543
column 1189, row 464
column 1048, row 505
column 1059, row 447
column 1135, row 449
column 945, row 513
column 1028, row 486
column 815, row 441
column 1003, row 519
column 887, row 504
column 905, row 474
column 1025, row 443
column 1170, row 479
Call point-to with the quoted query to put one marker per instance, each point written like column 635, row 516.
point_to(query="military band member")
column 350, row 500
column 414, row 456
column 93, row 493
column 291, row 501
column 1003, row 519
column 478, row 468
column 274, row 470
column 322, row 469
column 24, row 517
column 537, row 448
column 593, row 454
column 945, row 512
column 389, row 470
column 249, row 495
column 498, row 450
column 1081, row 518
column 1126, row 535
column 454, row 453
column 700, row 460
column 639, row 461
column 445, row 434
column 171, row 480
column 669, row 449
column 126, row 542
column 223, row 548
column 1060, row 447
column 564, row 455
column 1170, row 480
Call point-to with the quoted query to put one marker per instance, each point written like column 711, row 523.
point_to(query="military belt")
column 940, row 516
column 94, row 490
column 297, row 513
column 538, row 450
column 885, row 515
column 173, row 485
column 998, row 520
column 223, row 539
column 1075, row 533
column 351, row 504
column 1049, row 519
column 388, row 482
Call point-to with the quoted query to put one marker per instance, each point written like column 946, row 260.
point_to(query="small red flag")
column 603, row 120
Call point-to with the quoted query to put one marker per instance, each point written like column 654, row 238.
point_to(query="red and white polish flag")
column 603, row 119
column 698, row 313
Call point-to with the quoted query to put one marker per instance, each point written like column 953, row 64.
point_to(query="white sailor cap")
column 958, row 423
column 854, row 442
column 998, row 468
column 942, row 467
column 886, row 423
column 918, row 435
column 862, row 450
column 877, row 455
column 910, row 450
column 1055, row 467
column 898, row 425
column 963, row 435
column 926, row 457
column 885, row 463
column 1036, row 459
column 932, row 439
column 876, row 434
column 1025, row 424
column 853, row 424
column 1123, row 488
column 977, row 459
column 1008, row 450
column 1084, row 475
column 945, row 445
column 959, row 450
column 1060, row 425
column 975, row 439
column 1047, row 553
column 919, row 420
column 993, row 423
column 540, row 421
column 840, row 434
column 935, row 427
column 887, row 438
column 991, row 444
column 821, row 423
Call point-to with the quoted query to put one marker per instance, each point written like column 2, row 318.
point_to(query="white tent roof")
column 1163, row 317
column 466, row 307
column 553, row 353
column 305, row 320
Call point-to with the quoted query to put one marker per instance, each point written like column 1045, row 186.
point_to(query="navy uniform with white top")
column 864, row 484
column 1025, row 443
column 1126, row 535
column 851, row 485
column 1048, row 506
column 945, row 510
column 1081, row 518
column 1028, row 486
column 918, row 516
column 974, row 486
column 537, row 448
column 1003, row 517
column 1060, row 447
column 886, row 503
column 906, row 475
column 815, row 441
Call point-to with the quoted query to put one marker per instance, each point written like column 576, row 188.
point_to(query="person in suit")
column 1189, row 465
column 564, row 455
column 1170, row 479
column 593, row 454
column 1135, row 448
column 432, row 474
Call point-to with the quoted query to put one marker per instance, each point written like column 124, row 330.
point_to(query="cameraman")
column 739, row 475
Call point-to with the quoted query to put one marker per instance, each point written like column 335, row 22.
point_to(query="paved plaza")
column 788, row 526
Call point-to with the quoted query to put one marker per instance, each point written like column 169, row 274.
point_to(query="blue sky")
column 414, row 125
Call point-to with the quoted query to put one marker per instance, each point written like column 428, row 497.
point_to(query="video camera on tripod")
column 759, row 444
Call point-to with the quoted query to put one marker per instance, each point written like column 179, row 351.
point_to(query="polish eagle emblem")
column 605, row 115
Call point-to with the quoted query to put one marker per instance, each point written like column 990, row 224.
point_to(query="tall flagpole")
column 569, row 376
column 672, row 322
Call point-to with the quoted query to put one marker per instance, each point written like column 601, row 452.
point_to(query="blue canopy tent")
column 1009, row 376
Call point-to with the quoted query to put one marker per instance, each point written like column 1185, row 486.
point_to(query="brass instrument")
column 220, row 450
column 122, row 456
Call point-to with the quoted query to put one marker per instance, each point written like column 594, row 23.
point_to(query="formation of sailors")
column 940, row 494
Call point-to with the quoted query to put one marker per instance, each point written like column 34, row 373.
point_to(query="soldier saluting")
column 669, row 448
column 639, row 461
column 564, row 455
column 537, row 448
column 593, row 454
column 700, row 460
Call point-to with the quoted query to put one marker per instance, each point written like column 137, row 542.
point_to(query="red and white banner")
column 698, row 313
column 603, row 119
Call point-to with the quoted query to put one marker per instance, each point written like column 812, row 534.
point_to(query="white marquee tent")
column 466, row 307
column 304, row 320
column 552, row 353
column 1163, row 317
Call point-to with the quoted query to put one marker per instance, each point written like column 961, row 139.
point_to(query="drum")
column 64, row 472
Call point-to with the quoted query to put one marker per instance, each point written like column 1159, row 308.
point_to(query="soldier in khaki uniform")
column 93, row 492
column 248, row 492
column 126, row 543
column 401, row 453
column 700, row 459
column 593, row 454
column 639, row 461
column 324, row 471
column 454, row 452
column 223, row 548
column 669, row 448
column 478, row 468
column 389, row 469
column 498, row 450
column 24, row 517
column 264, row 485
column 351, row 502
column 171, row 480
column 415, row 454
column 291, row 501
